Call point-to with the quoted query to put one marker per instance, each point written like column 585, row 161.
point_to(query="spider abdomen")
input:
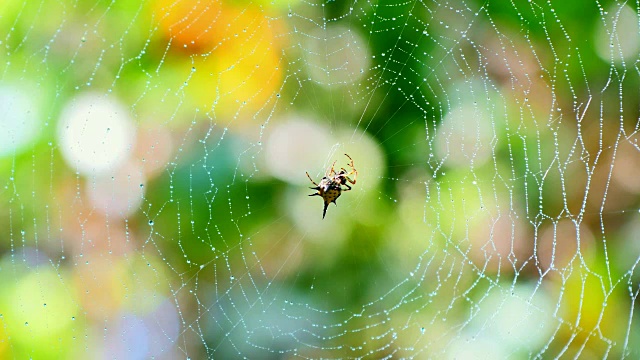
column 330, row 187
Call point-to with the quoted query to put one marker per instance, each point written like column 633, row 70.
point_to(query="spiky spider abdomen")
column 330, row 187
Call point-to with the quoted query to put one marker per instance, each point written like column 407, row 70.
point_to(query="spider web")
column 154, row 199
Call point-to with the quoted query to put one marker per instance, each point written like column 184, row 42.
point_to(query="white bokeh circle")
column 618, row 38
column 295, row 146
column 95, row 134
column 19, row 123
column 464, row 136
column 336, row 55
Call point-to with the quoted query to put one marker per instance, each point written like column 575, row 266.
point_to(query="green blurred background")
column 153, row 196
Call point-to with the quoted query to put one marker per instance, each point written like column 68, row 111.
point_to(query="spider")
column 330, row 187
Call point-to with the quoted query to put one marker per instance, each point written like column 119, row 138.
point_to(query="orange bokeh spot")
column 189, row 22
column 234, row 65
column 205, row 25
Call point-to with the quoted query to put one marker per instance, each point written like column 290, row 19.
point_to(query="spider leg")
column 314, row 194
column 314, row 183
column 332, row 172
column 347, row 185
column 351, row 162
column 353, row 171
column 349, row 180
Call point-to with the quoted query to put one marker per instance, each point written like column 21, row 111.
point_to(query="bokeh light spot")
column 95, row 134
column 19, row 122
